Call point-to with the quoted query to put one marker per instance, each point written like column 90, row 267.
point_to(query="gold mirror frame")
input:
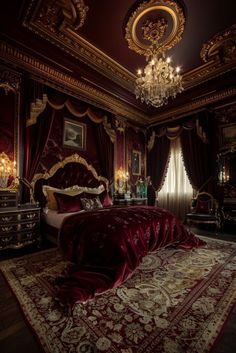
column 10, row 82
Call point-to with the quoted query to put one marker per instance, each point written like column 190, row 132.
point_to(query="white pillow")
column 48, row 192
column 95, row 191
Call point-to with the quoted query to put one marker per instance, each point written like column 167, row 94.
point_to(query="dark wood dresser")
column 19, row 226
column 8, row 198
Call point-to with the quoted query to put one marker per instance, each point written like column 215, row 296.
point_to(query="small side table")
column 19, row 226
column 132, row 201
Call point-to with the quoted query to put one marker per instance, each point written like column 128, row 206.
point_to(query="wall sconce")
column 121, row 181
column 7, row 171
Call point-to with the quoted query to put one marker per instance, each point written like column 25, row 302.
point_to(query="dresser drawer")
column 31, row 215
column 19, row 216
column 7, row 203
column 19, row 226
column 14, row 227
column 28, row 225
column 8, row 227
column 18, row 239
column 8, row 199
column 8, row 217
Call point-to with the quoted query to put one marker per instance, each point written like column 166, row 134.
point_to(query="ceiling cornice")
column 194, row 105
column 43, row 18
column 48, row 19
column 67, row 83
column 58, row 79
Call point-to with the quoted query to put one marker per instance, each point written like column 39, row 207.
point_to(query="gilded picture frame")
column 74, row 135
column 227, row 136
column 136, row 162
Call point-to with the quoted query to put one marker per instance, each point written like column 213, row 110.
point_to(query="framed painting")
column 74, row 134
column 227, row 136
column 136, row 162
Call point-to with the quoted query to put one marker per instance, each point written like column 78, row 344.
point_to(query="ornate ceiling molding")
column 194, row 105
column 163, row 10
column 221, row 46
column 66, row 83
column 57, row 22
column 219, row 55
column 10, row 81
column 44, row 18
column 74, row 12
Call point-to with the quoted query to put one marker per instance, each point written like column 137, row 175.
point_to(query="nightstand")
column 133, row 201
column 139, row 201
column 19, row 226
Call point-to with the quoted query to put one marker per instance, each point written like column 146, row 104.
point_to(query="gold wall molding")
column 120, row 124
column 36, row 108
column 109, row 130
column 10, row 81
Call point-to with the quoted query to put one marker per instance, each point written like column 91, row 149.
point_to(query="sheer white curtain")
column 177, row 192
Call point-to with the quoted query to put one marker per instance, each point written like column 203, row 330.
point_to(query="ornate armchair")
column 204, row 210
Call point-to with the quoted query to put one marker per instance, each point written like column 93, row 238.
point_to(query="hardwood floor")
column 16, row 336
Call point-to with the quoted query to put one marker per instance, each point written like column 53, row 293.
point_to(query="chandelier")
column 152, row 29
column 159, row 81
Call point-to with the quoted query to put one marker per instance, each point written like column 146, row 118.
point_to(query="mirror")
column 9, row 128
column 227, row 167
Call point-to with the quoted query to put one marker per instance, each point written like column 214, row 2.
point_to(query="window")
column 177, row 192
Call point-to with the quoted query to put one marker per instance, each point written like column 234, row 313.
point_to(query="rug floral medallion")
column 176, row 301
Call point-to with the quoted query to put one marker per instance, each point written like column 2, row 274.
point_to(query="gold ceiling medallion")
column 153, row 31
column 222, row 46
column 164, row 10
column 159, row 80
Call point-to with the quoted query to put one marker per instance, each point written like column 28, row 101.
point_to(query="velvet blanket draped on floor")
column 106, row 245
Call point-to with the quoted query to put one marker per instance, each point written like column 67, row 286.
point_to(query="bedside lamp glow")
column 7, row 170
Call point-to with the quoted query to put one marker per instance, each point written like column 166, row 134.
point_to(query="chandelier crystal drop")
column 159, row 81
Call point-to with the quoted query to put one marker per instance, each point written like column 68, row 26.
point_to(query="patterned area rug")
column 176, row 301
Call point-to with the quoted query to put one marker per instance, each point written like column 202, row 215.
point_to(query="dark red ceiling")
column 105, row 25
column 106, row 20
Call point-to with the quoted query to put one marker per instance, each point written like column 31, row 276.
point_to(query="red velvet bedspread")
column 106, row 245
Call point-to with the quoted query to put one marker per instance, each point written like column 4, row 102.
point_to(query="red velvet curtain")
column 106, row 152
column 157, row 160
column 36, row 138
column 197, row 159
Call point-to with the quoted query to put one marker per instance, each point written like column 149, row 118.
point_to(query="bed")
column 63, row 177
column 103, row 243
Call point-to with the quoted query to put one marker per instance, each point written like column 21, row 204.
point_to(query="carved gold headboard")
column 73, row 170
